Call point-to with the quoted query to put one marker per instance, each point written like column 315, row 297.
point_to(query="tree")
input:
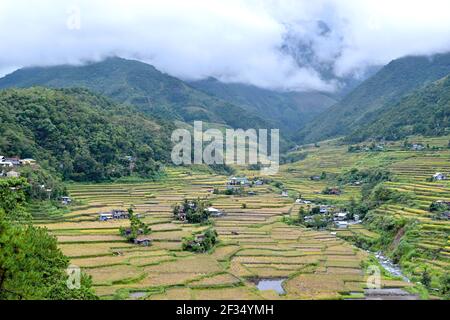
column 445, row 285
column 201, row 243
column 301, row 215
column 32, row 266
column 137, row 227
column 426, row 278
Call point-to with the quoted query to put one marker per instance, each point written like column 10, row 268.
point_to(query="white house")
column 66, row 200
column 323, row 209
column 341, row 224
column 215, row 212
column 341, row 216
column 285, row 194
column 5, row 163
column 439, row 176
column 105, row 216
column 27, row 161
column 238, row 181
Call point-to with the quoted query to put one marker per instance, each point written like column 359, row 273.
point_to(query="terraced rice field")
column 411, row 170
column 254, row 244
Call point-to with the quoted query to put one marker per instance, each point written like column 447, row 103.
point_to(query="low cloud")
column 286, row 45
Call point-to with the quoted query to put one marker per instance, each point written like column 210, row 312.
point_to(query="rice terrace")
column 178, row 155
column 255, row 240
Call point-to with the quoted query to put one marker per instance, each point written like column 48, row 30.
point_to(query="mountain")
column 288, row 111
column 386, row 88
column 80, row 135
column 139, row 84
column 426, row 111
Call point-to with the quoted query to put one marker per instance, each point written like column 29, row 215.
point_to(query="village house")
column 113, row 215
column 325, row 209
column 315, row 178
column 143, row 241
column 120, row 214
column 238, row 181
column 215, row 213
column 15, row 161
column 285, row 193
column 13, row 174
column 66, row 201
column 27, row 162
column 439, row 176
column 341, row 216
column 259, row 182
column 341, row 224
column 4, row 163
column 300, row 201
column 417, row 147
column 105, row 216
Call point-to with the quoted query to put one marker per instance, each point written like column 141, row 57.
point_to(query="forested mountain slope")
column 386, row 88
column 83, row 136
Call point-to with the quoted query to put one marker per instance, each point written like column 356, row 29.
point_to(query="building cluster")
column 8, row 166
column 340, row 219
column 237, row 182
column 115, row 214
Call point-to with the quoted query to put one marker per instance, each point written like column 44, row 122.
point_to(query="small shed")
column 143, row 241
column 215, row 212
column 13, row 174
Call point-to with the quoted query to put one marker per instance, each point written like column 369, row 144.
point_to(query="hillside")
column 139, row 84
column 289, row 111
column 401, row 223
column 426, row 111
column 83, row 136
column 386, row 88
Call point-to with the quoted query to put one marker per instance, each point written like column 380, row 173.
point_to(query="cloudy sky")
column 290, row 44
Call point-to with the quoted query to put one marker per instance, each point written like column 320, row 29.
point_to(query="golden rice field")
column 254, row 244
column 410, row 169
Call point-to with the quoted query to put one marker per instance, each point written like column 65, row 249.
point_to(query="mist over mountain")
column 141, row 85
column 288, row 111
column 376, row 95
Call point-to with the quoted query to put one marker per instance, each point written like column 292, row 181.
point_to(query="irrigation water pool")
column 271, row 284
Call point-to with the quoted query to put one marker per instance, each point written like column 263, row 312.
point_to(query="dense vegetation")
column 201, row 243
column 194, row 211
column 31, row 265
column 82, row 136
column 137, row 227
column 288, row 111
column 376, row 98
column 426, row 112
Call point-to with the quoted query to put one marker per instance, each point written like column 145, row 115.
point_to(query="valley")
column 255, row 240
